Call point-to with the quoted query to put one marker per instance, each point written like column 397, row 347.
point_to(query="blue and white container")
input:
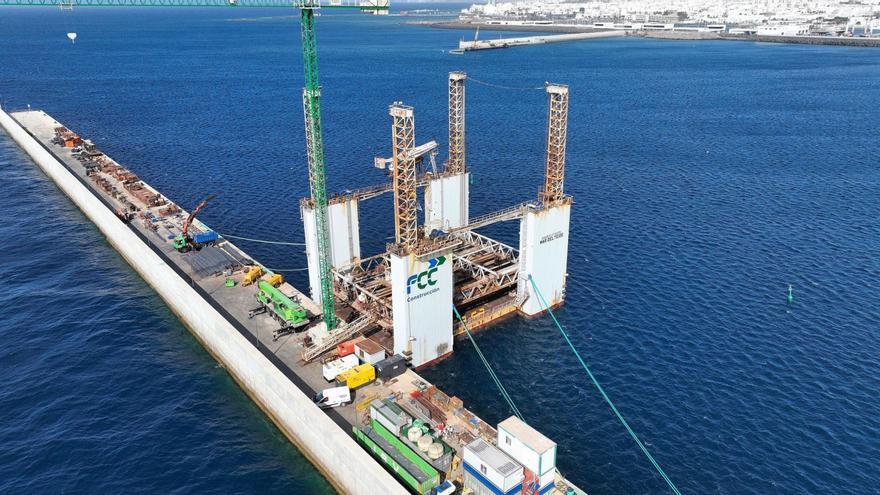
column 535, row 452
column 488, row 471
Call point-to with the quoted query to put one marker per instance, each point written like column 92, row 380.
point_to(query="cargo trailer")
column 205, row 238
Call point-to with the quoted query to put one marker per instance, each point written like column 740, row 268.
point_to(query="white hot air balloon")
column 72, row 37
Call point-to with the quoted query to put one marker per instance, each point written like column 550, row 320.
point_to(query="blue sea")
column 708, row 176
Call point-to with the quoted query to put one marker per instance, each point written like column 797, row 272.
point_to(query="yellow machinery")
column 252, row 275
column 357, row 376
column 274, row 279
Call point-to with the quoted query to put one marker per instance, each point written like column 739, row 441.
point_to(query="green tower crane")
column 311, row 104
column 315, row 152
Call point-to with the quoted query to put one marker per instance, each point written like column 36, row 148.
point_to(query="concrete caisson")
column 422, row 306
column 345, row 241
column 543, row 247
column 446, row 202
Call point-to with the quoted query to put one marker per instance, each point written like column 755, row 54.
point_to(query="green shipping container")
column 414, row 471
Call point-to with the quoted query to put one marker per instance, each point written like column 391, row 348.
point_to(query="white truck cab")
column 445, row 488
column 333, row 397
column 331, row 369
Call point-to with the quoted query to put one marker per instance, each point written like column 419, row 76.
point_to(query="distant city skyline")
column 730, row 11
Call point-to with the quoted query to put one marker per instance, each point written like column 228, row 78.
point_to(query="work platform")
column 157, row 220
column 443, row 264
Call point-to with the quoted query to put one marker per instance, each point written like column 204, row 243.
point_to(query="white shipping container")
column 547, row 478
column 369, row 351
column 493, row 465
column 333, row 368
column 527, row 446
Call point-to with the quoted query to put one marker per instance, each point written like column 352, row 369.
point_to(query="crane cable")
column 488, row 366
column 499, row 86
column 602, row 391
column 282, row 243
column 286, row 269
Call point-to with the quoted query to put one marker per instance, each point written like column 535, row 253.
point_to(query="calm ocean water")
column 708, row 177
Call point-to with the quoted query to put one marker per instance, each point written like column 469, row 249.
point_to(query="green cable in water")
column 488, row 366
column 602, row 391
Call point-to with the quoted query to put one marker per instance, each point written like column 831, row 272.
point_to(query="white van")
column 445, row 488
column 333, row 397
column 331, row 369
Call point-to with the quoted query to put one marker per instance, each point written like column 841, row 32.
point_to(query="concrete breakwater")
column 349, row 468
column 666, row 35
column 800, row 40
column 472, row 45
column 807, row 40
column 521, row 28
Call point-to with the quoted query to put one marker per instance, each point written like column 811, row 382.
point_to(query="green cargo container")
column 414, row 471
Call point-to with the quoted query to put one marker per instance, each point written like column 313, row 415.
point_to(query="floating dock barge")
column 405, row 295
column 282, row 371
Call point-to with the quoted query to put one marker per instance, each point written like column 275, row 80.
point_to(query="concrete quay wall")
column 349, row 468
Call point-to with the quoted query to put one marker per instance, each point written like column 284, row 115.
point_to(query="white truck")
column 333, row 397
column 332, row 369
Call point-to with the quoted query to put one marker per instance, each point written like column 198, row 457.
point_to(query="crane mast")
column 315, row 152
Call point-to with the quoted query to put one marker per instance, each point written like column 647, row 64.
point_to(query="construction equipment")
column 288, row 313
column 274, row 279
column 344, row 332
column 357, row 377
column 252, row 275
column 184, row 242
column 311, row 105
column 315, row 151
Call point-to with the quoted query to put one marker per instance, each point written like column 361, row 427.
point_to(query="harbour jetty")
column 853, row 41
column 202, row 304
column 473, row 45
column 230, row 303
column 678, row 34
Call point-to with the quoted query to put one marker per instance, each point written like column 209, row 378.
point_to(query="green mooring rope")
column 602, row 391
column 261, row 241
column 488, row 366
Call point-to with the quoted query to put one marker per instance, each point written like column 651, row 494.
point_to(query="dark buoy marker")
column 790, row 295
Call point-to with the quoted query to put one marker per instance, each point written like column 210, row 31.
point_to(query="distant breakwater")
column 530, row 28
column 807, row 40
column 802, row 40
column 667, row 35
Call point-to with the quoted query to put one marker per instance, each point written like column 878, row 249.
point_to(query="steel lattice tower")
column 557, row 129
column 315, row 153
column 456, row 163
column 404, row 178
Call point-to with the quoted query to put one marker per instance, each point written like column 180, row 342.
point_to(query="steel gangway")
column 511, row 213
column 338, row 336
